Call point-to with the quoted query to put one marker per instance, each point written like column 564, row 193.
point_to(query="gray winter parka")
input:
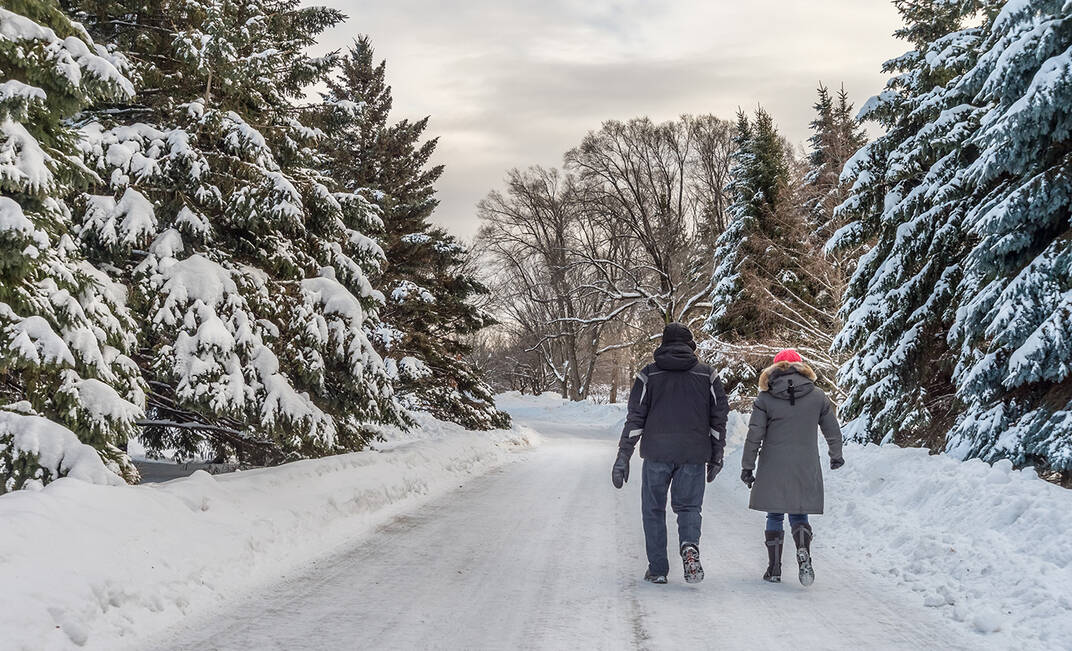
column 782, row 432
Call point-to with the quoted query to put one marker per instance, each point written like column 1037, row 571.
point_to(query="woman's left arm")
column 828, row 423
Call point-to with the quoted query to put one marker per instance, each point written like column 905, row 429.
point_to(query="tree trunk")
column 577, row 389
column 614, row 382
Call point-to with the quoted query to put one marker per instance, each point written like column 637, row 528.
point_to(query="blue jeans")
column 685, row 483
column 774, row 520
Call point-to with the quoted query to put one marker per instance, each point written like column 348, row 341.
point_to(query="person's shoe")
column 690, row 558
column 802, row 536
column 654, row 578
column 775, row 542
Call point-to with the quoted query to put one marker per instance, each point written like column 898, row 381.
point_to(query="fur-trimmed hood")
column 783, row 368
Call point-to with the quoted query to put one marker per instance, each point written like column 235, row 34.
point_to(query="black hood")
column 780, row 381
column 675, row 356
column 675, row 333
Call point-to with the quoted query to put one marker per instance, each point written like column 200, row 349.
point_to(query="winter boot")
column 802, row 536
column 654, row 578
column 690, row 557
column 775, row 541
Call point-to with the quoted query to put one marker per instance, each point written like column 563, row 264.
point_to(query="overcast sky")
column 512, row 84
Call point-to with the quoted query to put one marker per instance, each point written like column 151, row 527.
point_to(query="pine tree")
column 248, row 268
column 66, row 380
column 429, row 314
column 1014, row 370
column 905, row 204
column 836, row 136
column 759, row 175
column 812, row 283
column 752, row 256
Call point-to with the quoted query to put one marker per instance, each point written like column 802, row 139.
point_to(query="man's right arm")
column 639, row 401
column 720, row 411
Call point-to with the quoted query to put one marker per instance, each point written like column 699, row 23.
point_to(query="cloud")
column 511, row 84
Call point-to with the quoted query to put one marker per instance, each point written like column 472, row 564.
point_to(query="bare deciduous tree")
column 595, row 259
column 657, row 187
column 532, row 232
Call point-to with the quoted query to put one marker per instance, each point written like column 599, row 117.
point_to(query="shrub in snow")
column 64, row 327
column 248, row 268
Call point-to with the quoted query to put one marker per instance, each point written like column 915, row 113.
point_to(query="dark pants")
column 776, row 521
column 685, row 483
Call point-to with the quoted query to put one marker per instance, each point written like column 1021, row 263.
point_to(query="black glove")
column 712, row 471
column 836, row 463
column 748, row 478
column 619, row 474
column 717, row 452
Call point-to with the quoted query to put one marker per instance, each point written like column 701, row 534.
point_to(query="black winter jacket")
column 677, row 409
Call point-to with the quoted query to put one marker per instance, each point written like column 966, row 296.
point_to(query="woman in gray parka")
column 782, row 432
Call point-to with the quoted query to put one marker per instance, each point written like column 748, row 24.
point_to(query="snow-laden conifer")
column 248, row 267
column 905, row 205
column 69, row 392
column 770, row 292
column 429, row 315
column 759, row 174
column 836, row 136
column 1013, row 324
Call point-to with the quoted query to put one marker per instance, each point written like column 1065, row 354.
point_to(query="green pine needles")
column 181, row 262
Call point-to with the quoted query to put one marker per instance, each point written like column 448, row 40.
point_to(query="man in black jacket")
column 678, row 411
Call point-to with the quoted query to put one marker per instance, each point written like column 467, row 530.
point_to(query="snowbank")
column 987, row 544
column 553, row 408
column 104, row 566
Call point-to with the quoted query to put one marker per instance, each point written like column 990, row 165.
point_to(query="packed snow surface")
column 431, row 542
column 106, row 566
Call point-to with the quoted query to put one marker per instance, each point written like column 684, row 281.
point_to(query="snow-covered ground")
column 985, row 545
column 92, row 565
column 433, row 542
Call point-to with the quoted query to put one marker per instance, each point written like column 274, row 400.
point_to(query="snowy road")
column 545, row 554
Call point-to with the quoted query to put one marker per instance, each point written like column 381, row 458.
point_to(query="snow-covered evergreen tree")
column 905, row 202
column 737, row 374
column 766, row 296
column 68, row 390
column 1014, row 322
column 248, row 267
column 759, row 178
column 429, row 315
column 836, row 136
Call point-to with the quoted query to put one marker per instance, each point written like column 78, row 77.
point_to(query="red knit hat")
column 788, row 355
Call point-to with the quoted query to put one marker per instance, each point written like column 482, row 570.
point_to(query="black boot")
column 690, row 558
column 775, row 541
column 654, row 578
column 802, row 536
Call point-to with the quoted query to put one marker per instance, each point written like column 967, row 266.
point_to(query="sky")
column 512, row 84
